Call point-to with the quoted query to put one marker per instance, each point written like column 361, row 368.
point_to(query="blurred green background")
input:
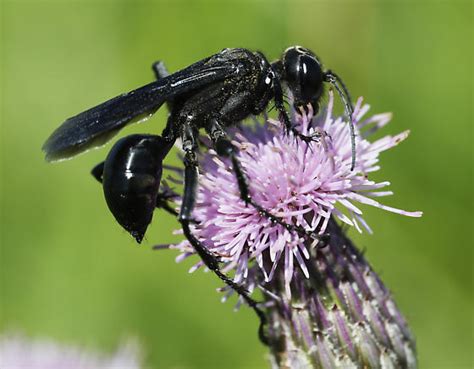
column 70, row 273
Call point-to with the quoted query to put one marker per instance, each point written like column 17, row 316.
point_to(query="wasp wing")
column 97, row 125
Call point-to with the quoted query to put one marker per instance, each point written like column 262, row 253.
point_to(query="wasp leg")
column 224, row 147
column 98, row 171
column 160, row 70
column 283, row 114
column 163, row 202
column 185, row 218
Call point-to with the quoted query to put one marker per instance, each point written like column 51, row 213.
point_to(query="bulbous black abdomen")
column 131, row 180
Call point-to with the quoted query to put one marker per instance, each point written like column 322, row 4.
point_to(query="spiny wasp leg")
column 185, row 218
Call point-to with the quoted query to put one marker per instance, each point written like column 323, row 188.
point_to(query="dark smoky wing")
column 97, row 125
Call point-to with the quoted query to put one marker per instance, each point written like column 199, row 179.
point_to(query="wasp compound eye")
column 304, row 76
column 131, row 180
column 310, row 79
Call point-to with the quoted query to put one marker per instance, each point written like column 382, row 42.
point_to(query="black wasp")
column 212, row 94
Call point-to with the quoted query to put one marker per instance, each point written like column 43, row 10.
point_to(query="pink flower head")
column 304, row 184
column 18, row 352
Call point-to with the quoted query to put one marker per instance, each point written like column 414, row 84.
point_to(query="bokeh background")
column 68, row 272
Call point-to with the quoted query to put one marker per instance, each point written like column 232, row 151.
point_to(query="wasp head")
column 302, row 71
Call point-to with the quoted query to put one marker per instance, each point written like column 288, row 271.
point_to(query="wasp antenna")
column 341, row 89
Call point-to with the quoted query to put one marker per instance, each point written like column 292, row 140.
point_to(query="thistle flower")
column 17, row 352
column 326, row 307
column 303, row 184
